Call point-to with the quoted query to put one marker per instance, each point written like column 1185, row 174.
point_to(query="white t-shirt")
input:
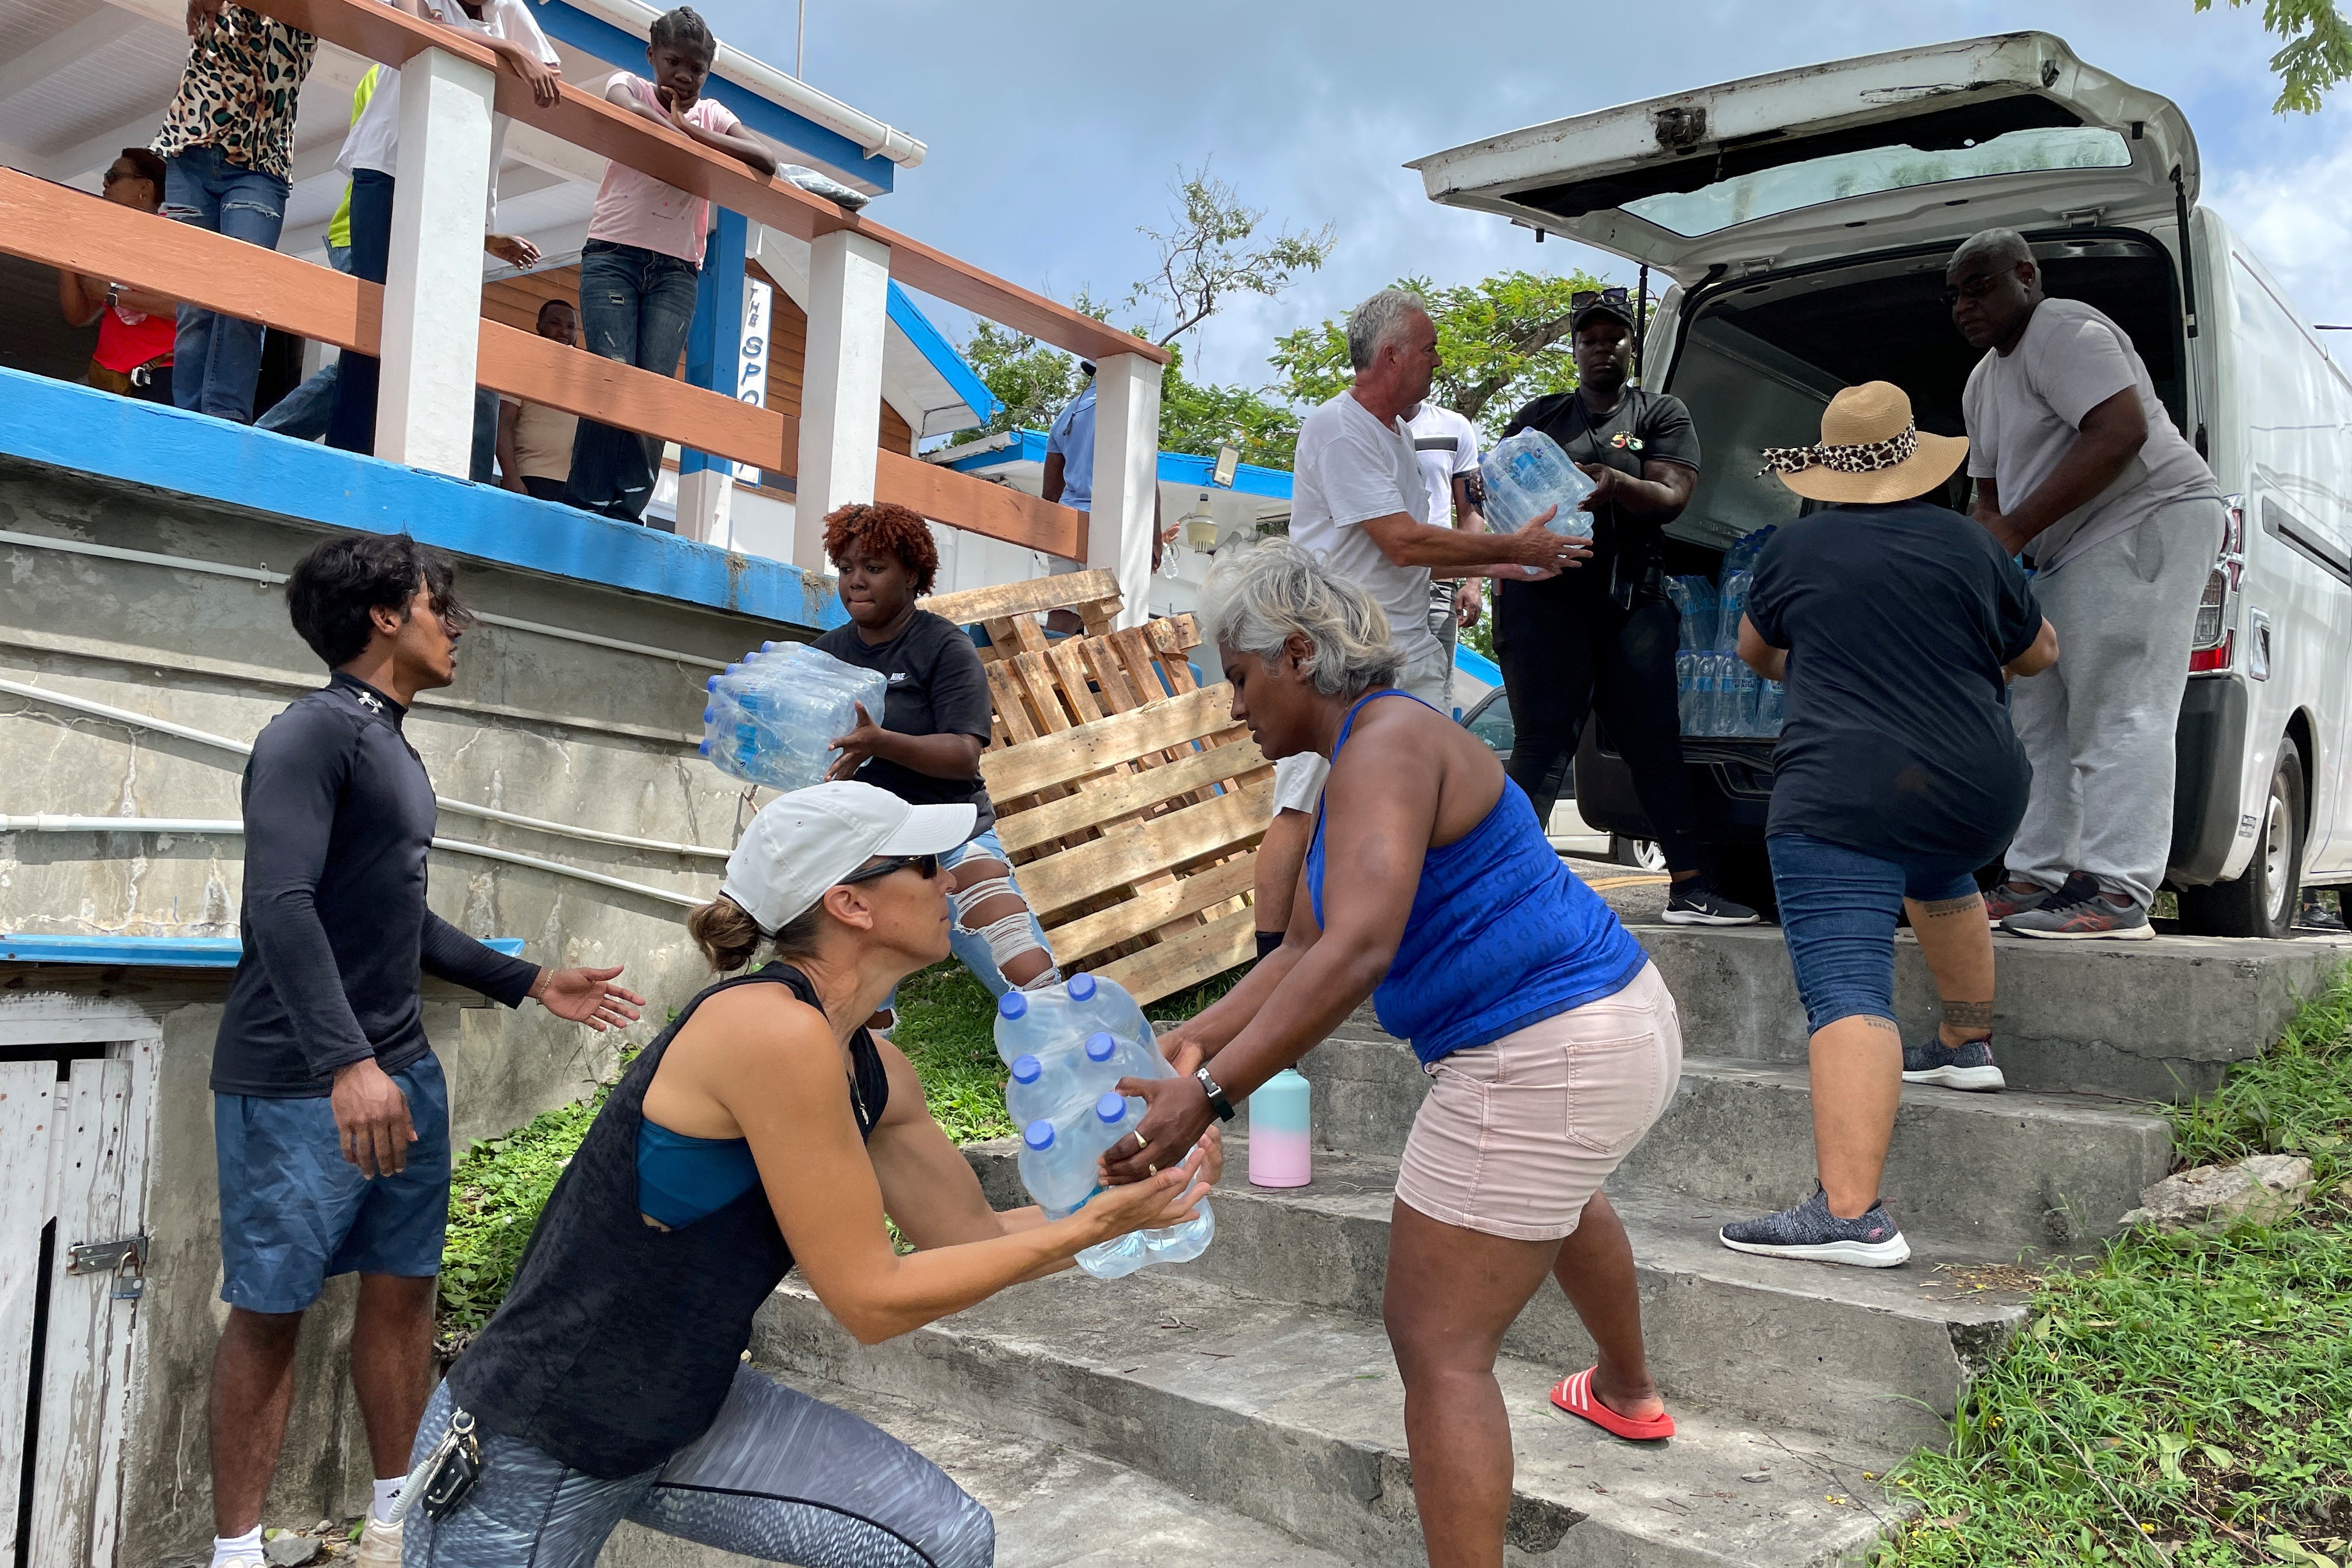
column 2025, row 408
column 1447, row 445
column 1351, row 468
column 374, row 142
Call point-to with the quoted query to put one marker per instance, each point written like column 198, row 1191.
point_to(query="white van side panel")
column 2284, row 442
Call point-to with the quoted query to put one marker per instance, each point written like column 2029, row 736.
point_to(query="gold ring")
column 1153, row 1169
column 1139, row 1144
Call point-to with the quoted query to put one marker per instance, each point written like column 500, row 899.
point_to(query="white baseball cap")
column 803, row 843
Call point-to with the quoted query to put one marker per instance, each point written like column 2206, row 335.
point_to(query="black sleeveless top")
column 618, row 1340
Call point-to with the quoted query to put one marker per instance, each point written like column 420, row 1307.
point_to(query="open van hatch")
column 1920, row 144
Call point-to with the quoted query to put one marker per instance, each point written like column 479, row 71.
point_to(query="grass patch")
column 2176, row 1400
column 945, row 1027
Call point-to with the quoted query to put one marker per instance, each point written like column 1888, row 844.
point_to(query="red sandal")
column 1574, row 1394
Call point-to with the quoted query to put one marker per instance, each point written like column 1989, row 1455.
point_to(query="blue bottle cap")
column 709, row 714
column 733, row 668
column 706, row 746
column 766, row 648
column 1011, row 1005
column 1110, row 1109
column 711, row 684
column 1038, row 1134
column 1100, row 1046
column 1082, row 988
column 1027, row 1068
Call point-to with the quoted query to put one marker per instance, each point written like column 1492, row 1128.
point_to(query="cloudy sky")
column 1056, row 128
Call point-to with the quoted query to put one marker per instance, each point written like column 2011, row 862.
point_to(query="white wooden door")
column 72, row 1163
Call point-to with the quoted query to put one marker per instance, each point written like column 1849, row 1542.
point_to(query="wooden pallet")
column 1127, row 797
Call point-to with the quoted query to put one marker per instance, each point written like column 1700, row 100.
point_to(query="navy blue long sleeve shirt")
column 339, row 816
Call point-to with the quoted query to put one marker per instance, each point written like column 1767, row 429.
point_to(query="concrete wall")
column 536, row 724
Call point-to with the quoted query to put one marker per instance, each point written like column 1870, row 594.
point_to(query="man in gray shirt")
column 2080, row 469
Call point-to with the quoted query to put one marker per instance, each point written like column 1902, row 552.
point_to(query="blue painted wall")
column 88, row 431
column 156, row 952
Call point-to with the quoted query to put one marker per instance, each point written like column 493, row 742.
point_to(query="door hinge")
column 2082, row 217
column 125, row 1258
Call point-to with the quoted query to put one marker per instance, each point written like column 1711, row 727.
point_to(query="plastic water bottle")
column 773, row 718
column 1041, row 1085
column 1705, row 712
column 1281, row 1149
column 1528, row 472
column 1058, row 1168
column 1772, row 709
column 1686, row 690
column 1739, row 699
column 1106, row 1005
column 1732, row 606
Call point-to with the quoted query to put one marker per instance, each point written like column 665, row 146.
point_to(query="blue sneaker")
column 1810, row 1231
column 1969, row 1066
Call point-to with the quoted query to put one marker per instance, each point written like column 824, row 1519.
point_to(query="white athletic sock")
column 387, row 1492
column 226, row 1549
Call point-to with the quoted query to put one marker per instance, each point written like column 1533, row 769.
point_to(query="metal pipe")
column 258, row 575
column 230, row 827
column 463, row 808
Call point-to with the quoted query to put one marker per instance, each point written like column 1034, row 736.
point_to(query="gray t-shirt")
column 1351, row 468
column 2024, row 409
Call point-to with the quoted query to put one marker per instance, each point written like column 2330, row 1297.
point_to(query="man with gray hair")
column 2079, row 469
column 1359, row 504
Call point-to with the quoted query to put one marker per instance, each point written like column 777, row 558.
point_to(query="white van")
column 1801, row 222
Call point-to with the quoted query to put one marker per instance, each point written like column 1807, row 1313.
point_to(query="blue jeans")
column 216, row 358
column 295, row 1212
column 1838, row 909
column 635, row 306
column 970, row 947
column 303, row 412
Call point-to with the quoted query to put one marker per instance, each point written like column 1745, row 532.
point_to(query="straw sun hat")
column 1870, row 450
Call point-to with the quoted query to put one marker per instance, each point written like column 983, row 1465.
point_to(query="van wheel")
column 2261, row 901
column 1642, row 854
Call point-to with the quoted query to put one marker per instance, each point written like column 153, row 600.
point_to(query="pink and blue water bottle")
column 1280, row 1152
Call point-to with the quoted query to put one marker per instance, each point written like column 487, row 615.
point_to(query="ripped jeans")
column 216, row 358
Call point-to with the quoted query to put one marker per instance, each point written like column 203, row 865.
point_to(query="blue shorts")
column 1838, row 909
column 294, row 1211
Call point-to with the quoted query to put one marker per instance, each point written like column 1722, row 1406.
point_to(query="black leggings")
column 1565, row 650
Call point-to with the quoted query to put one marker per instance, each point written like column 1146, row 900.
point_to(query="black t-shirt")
column 1897, row 620
column 937, row 688
column 1645, row 426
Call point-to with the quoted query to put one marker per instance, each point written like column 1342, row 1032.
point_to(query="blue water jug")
column 1528, row 472
column 773, row 718
column 1058, row 1166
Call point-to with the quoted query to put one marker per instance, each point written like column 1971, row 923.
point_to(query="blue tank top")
column 1501, row 934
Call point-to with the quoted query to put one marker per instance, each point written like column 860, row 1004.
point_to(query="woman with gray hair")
column 1551, row 1040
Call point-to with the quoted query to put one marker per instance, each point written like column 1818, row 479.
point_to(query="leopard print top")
column 239, row 90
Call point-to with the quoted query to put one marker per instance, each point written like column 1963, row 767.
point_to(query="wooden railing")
column 64, row 229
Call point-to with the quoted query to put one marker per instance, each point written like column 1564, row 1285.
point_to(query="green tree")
column 1031, row 381
column 2317, row 55
column 1207, row 254
column 1503, row 340
column 1198, row 417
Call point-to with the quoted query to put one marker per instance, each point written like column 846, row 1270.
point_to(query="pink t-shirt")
column 634, row 208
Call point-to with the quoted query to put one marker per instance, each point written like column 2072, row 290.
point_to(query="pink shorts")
column 1517, row 1134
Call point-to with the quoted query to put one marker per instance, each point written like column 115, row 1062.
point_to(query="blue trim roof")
column 1477, row 664
column 933, row 346
column 593, row 35
column 1175, row 467
column 156, row 952
column 92, row 432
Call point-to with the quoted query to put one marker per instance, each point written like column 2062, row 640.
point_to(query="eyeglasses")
column 1616, row 294
column 924, row 866
column 1975, row 286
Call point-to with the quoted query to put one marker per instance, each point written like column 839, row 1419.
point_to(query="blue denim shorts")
column 295, row 1212
column 1838, row 909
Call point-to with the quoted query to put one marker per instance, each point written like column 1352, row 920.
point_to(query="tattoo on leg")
column 1875, row 1022
column 1968, row 1015
column 1940, row 907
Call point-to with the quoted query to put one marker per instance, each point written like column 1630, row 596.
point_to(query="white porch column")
column 1126, row 471
column 841, row 384
column 433, row 291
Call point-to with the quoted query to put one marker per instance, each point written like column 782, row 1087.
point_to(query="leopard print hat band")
column 1868, row 457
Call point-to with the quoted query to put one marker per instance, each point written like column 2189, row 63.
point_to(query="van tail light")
column 2213, row 642
column 2206, row 660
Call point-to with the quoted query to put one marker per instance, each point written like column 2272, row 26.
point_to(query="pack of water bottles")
column 773, row 718
column 1528, row 472
column 1718, row 693
column 1069, row 1046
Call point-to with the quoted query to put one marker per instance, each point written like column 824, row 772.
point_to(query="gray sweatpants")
column 2098, row 725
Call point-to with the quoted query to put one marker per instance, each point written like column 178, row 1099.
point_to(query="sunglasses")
column 1976, row 285
column 924, row 866
column 1616, row 294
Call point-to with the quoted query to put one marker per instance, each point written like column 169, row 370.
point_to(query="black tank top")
column 618, row 1340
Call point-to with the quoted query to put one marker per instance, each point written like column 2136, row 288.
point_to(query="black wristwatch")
column 1217, row 1101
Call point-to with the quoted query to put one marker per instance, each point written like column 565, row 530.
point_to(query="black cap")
column 1609, row 305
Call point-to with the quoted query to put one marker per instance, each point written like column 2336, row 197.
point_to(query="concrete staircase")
column 1259, row 1381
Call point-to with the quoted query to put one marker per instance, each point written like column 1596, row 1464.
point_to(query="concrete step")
column 1879, row 1355
column 1294, row 1415
column 2143, row 1020
column 1996, row 1173
column 1054, row 1506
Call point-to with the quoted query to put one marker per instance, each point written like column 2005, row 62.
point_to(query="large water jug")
column 1528, row 472
column 1106, row 1005
column 1058, row 1166
column 772, row 719
column 1043, row 1084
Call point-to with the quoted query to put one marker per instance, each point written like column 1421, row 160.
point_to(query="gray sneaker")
column 1810, row 1231
column 1968, row 1066
column 2080, row 911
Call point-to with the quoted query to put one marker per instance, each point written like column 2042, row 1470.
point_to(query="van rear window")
column 1868, row 171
